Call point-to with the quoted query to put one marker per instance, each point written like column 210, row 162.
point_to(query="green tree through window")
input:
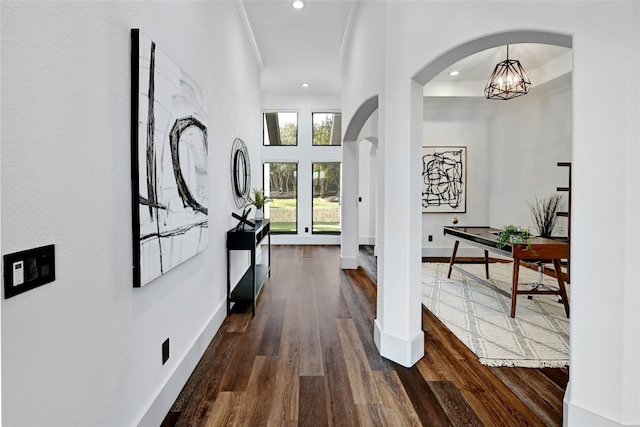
column 280, row 128
column 327, row 128
column 326, row 197
column 281, row 185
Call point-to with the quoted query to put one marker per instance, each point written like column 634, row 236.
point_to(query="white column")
column 349, row 206
column 398, row 326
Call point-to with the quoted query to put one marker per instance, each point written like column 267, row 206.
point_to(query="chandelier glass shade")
column 508, row 80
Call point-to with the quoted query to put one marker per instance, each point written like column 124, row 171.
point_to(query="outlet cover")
column 165, row 351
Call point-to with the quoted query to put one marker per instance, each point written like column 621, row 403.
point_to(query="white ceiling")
column 480, row 65
column 297, row 46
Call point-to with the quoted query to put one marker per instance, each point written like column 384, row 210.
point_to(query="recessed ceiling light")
column 454, row 73
column 298, row 4
column 305, row 85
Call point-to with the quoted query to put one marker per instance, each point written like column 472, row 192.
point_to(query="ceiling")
column 299, row 45
column 296, row 46
column 479, row 66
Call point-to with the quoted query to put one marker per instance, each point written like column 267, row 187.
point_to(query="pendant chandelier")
column 507, row 81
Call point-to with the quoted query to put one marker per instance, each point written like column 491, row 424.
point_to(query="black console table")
column 248, row 239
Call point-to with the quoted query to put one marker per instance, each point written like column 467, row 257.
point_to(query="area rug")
column 480, row 316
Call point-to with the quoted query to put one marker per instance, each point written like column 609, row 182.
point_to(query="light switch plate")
column 28, row 269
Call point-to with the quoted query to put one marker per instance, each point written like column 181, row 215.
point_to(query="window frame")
column 313, row 163
column 313, row 113
column 265, row 127
column 297, row 183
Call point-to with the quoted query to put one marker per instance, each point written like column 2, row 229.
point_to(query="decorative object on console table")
column 250, row 284
column 444, row 179
column 169, row 158
column 258, row 200
column 242, row 220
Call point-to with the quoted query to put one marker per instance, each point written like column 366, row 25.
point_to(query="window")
column 326, row 198
column 281, row 186
column 280, row 128
column 327, row 128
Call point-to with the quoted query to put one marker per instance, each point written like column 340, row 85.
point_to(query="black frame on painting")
column 135, row 198
column 444, row 179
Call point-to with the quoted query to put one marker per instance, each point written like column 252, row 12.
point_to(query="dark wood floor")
column 308, row 359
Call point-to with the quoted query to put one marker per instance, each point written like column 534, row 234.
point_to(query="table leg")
column 486, row 263
column 514, row 286
column 453, row 257
column 563, row 291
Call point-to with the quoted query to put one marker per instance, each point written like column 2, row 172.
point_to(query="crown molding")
column 347, row 28
column 247, row 28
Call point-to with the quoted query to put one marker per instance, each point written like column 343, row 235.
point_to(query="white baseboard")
column 403, row 352
column 348, row 263
column 305, row 239
column 462, row 252
column 446, row 252
column 575, row 416
column 158, row 408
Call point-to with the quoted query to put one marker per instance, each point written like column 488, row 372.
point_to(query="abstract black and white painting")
column 168, row 164
column 444, row 179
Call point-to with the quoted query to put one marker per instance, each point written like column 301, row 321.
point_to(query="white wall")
column 367, row 193
column 305, row 154
column 528, row 139
column 422, row 37
column 459, row 122
column 363, row 65
column 85, row 350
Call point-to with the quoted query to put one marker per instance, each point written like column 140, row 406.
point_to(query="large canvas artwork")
column 168, row 164
column 444, row 179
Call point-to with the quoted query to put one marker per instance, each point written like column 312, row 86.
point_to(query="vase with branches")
column 545, row 213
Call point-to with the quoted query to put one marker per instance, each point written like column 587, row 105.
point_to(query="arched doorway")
column 349, row 238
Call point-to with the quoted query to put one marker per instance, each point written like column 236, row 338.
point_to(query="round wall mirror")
column 240, row 173
column 240, row 185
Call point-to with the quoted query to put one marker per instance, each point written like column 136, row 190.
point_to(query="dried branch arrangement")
column 544, row 213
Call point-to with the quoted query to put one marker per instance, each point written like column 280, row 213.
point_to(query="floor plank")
column 344, row 411
column 423, row 400
column 313, row 407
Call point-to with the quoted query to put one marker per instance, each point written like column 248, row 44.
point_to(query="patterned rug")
column 480, row 316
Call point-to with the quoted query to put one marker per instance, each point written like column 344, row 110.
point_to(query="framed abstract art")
column 168, row 163
column 444, row 179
